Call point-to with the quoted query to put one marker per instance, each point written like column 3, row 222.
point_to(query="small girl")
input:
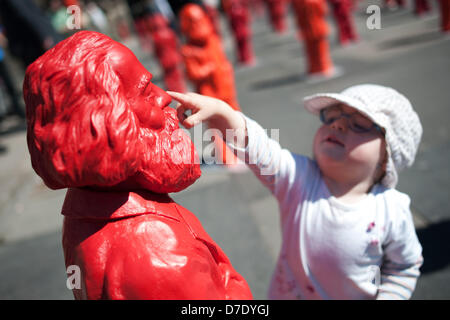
column 347, row 233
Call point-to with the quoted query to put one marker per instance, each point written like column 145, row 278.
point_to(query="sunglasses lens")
column 360, row 124
column 357, row 122
column 329, row 115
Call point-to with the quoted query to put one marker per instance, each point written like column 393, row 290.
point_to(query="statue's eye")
column 145, row 86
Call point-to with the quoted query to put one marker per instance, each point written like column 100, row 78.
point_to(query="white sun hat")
column 387, row 108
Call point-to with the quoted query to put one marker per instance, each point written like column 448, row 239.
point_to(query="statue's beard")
column 170, row 162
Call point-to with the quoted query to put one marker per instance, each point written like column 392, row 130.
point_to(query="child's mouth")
column 334, row 140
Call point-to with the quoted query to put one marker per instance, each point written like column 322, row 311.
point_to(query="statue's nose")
column 163, row 99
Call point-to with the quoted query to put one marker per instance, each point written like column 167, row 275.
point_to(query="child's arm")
column 402, row 258
column 275, row 167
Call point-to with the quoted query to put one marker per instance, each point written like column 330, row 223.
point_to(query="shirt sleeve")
column 274, row 166
column 402, row 256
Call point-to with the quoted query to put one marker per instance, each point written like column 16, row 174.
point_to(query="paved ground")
column 408, row 54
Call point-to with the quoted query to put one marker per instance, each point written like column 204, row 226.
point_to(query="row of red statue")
column 311, row 22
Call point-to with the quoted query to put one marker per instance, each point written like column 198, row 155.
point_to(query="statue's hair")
column 78, row 117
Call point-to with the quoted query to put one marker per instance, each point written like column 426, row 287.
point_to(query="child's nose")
column 340, row 124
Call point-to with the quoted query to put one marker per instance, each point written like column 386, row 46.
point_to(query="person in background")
column 8, row 82
column 29, row 31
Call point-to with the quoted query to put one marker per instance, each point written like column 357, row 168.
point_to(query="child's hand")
column 202, row 108
column 218, row 114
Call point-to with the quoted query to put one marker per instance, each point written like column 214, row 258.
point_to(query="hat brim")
column 319, row 101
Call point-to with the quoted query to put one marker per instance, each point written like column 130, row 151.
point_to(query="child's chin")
column 330, row 155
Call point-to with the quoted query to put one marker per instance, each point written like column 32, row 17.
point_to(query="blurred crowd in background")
column 28, row 28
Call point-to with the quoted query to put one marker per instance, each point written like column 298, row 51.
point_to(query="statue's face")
column 146, row 99
column 103, row 123
column 167, row 154
column 195, row 23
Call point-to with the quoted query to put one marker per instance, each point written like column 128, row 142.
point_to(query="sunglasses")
column 356, row 121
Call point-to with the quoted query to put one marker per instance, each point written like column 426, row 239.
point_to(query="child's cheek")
column 367, row 153
column 316, row 141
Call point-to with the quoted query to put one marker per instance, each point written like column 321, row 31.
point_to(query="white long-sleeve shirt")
column 333, row 250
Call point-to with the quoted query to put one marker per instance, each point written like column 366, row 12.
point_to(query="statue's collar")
column 84, row 203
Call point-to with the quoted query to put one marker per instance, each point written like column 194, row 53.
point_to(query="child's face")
column 339, row 150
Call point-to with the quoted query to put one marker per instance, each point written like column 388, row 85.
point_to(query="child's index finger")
column 181, row 97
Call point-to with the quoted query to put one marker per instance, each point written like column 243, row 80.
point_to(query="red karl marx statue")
column 206, row 63
column 207, row 67
column 99, row 127
column 342, row 12
column 277, row 13
column 168, row 52
column 445, row 16
column 238, row 15
column 313, row 29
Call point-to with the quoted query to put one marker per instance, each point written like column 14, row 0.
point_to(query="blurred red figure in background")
column 277, row 13
column 239, row 18
column 311, row 20
column 167, row 50
column 98, row 126
column 207, row 66
column 257, row 7
column 421, row 7
column 394, row 3
column 69, row 3
column 445, row 15
column 144, row 34
column 342, row 12
column 213, row 14
column 206, row 63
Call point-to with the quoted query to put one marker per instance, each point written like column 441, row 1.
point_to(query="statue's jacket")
column 142, row 245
